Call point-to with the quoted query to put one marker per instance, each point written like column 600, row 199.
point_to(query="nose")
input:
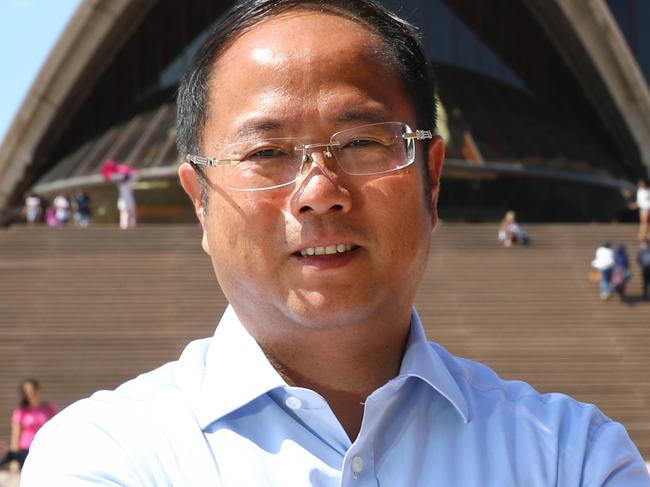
column 319, row 189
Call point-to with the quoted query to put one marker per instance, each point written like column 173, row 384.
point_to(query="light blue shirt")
column 222, row 416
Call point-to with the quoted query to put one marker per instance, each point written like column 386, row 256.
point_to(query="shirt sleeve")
column 613, row 460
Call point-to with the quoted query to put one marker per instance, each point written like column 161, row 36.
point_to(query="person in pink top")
column 26, row 420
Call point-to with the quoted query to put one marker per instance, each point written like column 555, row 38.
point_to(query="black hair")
column 400, row 38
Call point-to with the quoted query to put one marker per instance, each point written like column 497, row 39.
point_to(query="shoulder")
column 482, row 386
column 123, row 413
column 49, row 407
column 119, row 414
column 17, row 414
column 130, row 425
column 153, row 389
column 520, row 406
column 577, row 436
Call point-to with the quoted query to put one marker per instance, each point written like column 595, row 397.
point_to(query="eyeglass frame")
column 418, row 134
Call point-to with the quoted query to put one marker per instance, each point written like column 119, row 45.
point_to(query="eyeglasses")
column 256, row 165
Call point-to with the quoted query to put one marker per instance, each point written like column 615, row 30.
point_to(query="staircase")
column 86, row 309
column 531, row 313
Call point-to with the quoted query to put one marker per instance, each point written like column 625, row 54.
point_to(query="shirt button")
column 293, row 402
column 357, row 464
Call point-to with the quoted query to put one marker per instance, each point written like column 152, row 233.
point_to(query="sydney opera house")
column 544, row 104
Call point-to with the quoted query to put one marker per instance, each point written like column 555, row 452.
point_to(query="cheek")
column 246, row 225
column 405, row 222
column 400, row 200
column 408, row 237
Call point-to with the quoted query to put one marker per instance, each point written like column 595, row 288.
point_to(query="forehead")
column 301, row 33
column 305, row 63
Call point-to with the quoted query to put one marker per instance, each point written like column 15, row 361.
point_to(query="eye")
column 267, row 153
column 360, row 143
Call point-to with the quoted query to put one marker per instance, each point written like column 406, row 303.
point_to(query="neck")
column 344, row 364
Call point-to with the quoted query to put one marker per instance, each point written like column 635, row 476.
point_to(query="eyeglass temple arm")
column 207, row 161
column 419, row 135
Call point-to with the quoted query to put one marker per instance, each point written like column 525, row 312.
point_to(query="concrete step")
column 86, row 309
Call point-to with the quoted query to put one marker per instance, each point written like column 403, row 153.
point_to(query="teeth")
column 329, row 250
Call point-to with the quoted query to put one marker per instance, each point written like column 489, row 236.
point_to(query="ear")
column 436, row 157
column 190, row 183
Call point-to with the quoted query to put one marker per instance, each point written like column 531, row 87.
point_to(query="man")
column 315, row 177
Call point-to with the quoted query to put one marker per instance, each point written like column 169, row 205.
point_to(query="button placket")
column 361, row 454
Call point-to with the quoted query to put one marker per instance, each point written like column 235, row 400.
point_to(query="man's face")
column 308, row 75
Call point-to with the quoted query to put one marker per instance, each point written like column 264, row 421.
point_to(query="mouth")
column 327, row 250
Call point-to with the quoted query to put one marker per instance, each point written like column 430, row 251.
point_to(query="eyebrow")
column 257, row 126
column 368, row 115
column 261, row 126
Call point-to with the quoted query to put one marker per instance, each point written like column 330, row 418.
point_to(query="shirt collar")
column 236, row 371
column 421, row 360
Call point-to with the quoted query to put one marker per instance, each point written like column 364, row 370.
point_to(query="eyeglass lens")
column 366, row 150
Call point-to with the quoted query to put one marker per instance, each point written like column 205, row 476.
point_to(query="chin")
column 319, row 312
